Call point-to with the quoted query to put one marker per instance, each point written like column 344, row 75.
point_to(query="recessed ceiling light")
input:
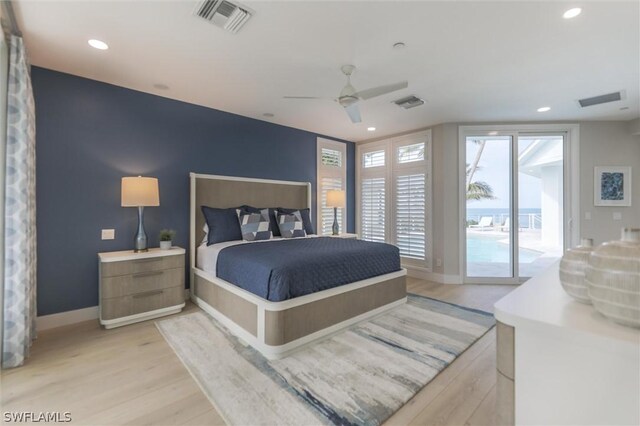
column 572, row 13
column 161, row 86
column 399, row 45
column 98, row 44
column 267, row 114
column 371, row 129
column 544, row 109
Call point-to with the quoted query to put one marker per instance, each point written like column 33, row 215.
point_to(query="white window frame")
column 413, row 167
column 373, row 172
column 390, row 171
column 330, row 171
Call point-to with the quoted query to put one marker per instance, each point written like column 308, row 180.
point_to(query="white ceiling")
column 470, row 61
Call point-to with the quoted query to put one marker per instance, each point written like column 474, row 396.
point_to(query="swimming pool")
column 488, row 248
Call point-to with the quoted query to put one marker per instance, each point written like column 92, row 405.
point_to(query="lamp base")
column 140, row 240
column 335, row 228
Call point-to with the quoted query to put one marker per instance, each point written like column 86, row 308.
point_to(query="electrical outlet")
column 617, row 216
column 587, row 215
column 438, row 262
column 108, row 234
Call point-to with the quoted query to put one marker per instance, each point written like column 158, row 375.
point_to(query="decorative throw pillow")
column 291, row 225
column 273, row 224
column 306, row 218
column 222, row 225
column 254, row 226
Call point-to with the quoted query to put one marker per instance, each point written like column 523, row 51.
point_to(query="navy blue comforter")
column 283, row 269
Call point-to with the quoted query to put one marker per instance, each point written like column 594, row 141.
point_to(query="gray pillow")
column 254, row 226
column 291, row 225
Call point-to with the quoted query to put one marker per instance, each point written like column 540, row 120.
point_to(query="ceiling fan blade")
column 381, row 90
column 302, row 97
column 354, row 113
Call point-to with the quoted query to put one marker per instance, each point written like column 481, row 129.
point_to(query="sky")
column 494, row 170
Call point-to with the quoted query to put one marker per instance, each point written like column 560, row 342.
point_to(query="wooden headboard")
column 229, row 191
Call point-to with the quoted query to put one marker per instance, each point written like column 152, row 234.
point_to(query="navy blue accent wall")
column 90, row 134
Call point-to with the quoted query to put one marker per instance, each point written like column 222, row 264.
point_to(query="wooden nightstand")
column 354, row 236
column 139, row 286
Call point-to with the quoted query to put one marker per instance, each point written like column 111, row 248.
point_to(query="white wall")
column 446, row 226
column 634, row 127
column 607, row 144
column 601, row 144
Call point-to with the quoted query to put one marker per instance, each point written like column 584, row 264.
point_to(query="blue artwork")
column 612, row 186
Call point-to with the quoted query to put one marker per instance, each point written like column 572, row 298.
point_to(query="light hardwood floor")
column 130, row 375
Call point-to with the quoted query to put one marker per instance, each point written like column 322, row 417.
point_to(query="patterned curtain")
column 19, row 310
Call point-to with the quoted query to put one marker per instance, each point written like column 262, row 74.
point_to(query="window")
column 373, row 209
column 410, row 153
column 332, row 174
column 394, row 193
column 331, row 157
column 373, row 159
column 410, row 218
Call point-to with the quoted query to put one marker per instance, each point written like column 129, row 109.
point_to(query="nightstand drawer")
column 141, row 282
column 141, row 302
column 126, row 267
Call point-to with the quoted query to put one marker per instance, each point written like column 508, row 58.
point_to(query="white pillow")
column 205, row 228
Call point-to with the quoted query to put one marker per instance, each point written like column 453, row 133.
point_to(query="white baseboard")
column 446, row 279
column 46, row 322
column 425, row 274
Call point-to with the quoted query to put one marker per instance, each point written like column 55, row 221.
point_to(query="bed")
column 280, row 294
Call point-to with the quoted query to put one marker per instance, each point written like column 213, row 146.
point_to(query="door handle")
column 147, row 293
column 147, row 274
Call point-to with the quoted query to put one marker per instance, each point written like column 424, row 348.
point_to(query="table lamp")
column 140, row 192
column 336, row 198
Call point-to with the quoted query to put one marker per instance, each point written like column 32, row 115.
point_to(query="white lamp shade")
column 336, row 198
column 140, row 192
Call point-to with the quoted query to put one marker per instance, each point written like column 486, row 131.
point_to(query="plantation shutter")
column 329, row 183
column 410, row 215
column 331, row 157
column 394, row 195
column 373, row 205
column 332, row 174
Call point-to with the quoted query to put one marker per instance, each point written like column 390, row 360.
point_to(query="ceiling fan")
column 349, row 97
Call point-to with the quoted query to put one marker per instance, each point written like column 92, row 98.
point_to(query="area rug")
column 360, row 376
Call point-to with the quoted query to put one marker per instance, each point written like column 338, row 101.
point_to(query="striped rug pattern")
column 359, row 376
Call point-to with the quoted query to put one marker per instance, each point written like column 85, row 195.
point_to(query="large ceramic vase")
column 613, row 278
column 572, row 271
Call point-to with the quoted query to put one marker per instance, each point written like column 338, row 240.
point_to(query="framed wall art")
column 612, row 186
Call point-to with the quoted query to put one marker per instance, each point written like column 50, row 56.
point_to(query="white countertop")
column 542, row 303
column 118, row 256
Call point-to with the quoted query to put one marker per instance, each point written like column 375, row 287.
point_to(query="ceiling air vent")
column 409, row 102
column 224, row 14
column 602, row 99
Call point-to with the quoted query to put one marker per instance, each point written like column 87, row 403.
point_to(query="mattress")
column 282, row 269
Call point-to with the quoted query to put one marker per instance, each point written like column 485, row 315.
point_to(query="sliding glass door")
column 514, row 205
column 540, row 202
column 488, row 201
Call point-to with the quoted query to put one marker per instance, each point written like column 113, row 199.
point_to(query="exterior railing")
column 528, row 221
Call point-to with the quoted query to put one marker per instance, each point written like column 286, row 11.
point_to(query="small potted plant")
column 166, row 238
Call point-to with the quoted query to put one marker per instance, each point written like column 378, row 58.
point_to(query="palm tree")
column 478, row 190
